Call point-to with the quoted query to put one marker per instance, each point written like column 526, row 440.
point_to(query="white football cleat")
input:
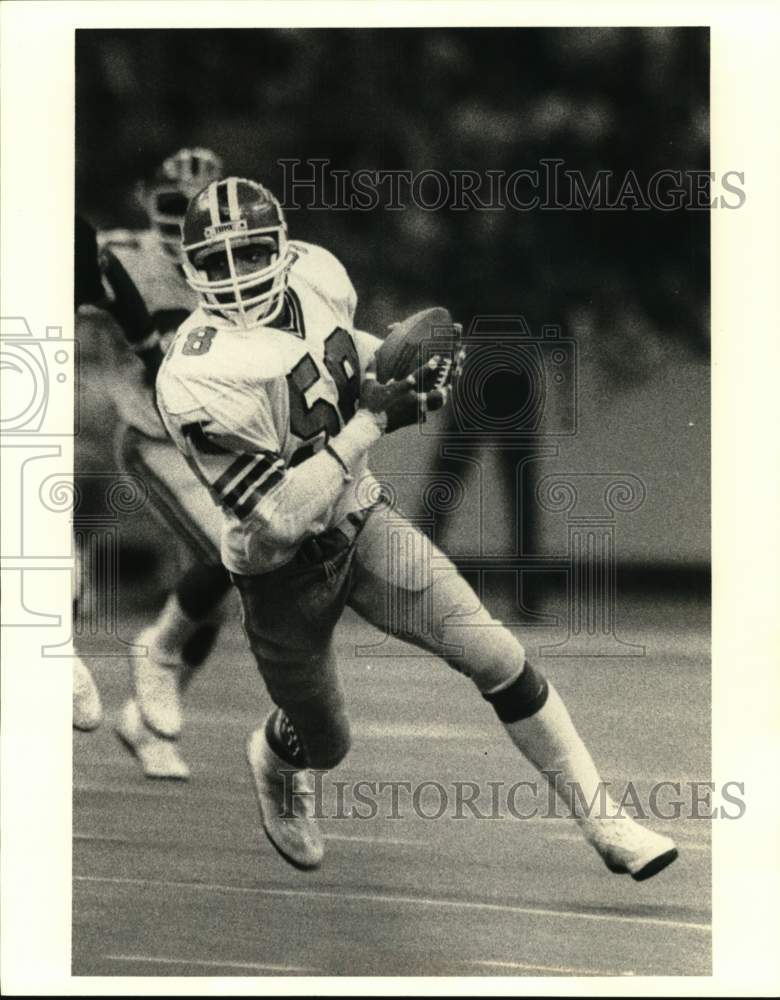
column 159, row 758
column 156, row 689
column 286, row 801
column 87, row 707
column 628, row 848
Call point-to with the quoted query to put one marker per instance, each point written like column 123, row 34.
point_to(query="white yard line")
column 374, row 840
column 571, row 838
column 127, row 842
column 151, row 790
column 207, row 964
column 684, row 844
column 418, row 901
column 565, row 969
column 686, row 839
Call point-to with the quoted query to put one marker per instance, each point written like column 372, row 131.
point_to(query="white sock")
column 550, row 742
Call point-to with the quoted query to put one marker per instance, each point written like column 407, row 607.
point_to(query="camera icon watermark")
column 514, row 383
column 36, row 372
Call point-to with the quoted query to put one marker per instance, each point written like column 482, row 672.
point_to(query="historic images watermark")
column 37, row 372
column 431, row 799
column 550, row 185
column 40, row 419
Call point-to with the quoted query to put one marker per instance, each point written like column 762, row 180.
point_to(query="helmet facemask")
column 247, row 296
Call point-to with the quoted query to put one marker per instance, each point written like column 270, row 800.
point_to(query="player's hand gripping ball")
column 411, row 372
column 414, row 341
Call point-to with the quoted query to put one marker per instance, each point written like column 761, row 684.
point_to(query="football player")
column 271, row 394
column 149, row 300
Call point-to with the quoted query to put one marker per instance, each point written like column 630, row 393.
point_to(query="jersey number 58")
column 343, row 365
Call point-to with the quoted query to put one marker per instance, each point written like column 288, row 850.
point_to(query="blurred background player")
column 148, row 300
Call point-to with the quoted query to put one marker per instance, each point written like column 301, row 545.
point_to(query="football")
column 415, row 340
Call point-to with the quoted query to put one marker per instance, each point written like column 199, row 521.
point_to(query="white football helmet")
column 227, row 215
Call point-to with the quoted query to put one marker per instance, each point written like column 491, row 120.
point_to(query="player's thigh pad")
column 178, row 498
column 406, row 586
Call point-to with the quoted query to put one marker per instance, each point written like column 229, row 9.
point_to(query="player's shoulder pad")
column 209, row 357
column 177, row 389
column 198, row 326
column 323, row 272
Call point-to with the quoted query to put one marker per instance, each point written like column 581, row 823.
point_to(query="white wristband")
column 363, row 430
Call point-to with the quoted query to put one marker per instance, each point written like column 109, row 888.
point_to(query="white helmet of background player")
column 230, row 224
column 176, row 181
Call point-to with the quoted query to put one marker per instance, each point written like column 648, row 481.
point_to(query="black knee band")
column 523, row 698
column 284, row 741
column 201, row 589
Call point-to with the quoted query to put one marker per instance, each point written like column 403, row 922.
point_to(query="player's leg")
column 306, row 729
column 87, row 707
column 177, row 643
column 182, row 635
column 158, row 757
column 289, row 617
column 402, row 583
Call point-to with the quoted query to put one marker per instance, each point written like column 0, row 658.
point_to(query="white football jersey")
column 155, row 300
column 245, row 404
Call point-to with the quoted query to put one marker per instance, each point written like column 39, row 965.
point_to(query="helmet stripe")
column 222, row 198
column 232, row 193
column 213, row 204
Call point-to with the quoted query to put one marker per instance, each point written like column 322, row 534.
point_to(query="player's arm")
column 305, row 494
column 241, row 464
column 141, row 329
column 249, row 479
